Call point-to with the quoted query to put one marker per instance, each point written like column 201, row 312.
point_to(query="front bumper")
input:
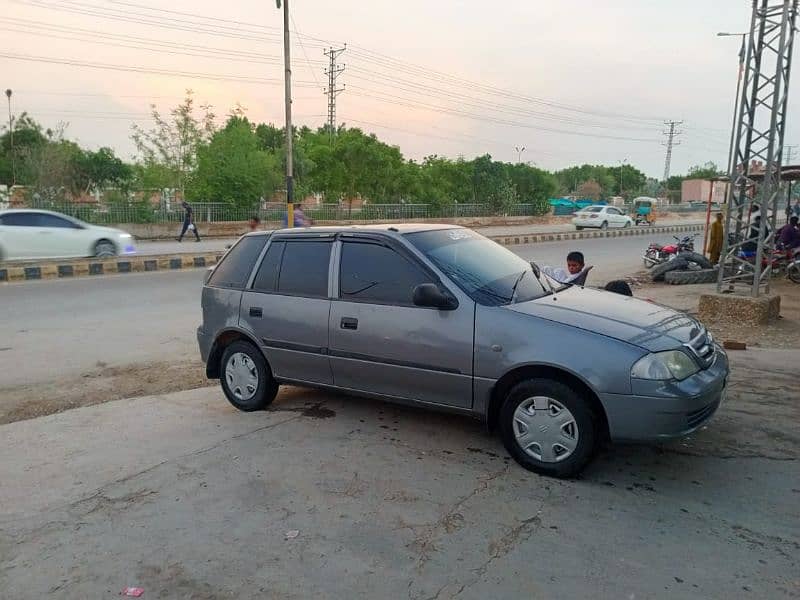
column 661, row 410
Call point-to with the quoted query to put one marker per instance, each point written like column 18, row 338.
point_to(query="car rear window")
column 592, row 209
column 236, row 266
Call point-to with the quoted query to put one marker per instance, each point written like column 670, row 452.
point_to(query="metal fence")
column 216, row 212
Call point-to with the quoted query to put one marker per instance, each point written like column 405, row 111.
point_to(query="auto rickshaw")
column 644, row 211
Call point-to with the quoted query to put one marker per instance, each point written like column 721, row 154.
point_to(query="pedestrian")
column 254, row 223
column 715, row 240
column 188, row 222
column 789, row 235
column 300, row 219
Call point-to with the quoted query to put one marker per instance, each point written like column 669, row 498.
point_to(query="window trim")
column 401, row 250
column 323, row 239
column 249, row 278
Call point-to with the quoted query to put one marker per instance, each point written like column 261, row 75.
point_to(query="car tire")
column 698, row 259
column 676, row 264
column 527, row 418
column 105, row 249
column 793, row 272
column 604, row 225
column 248, row 384
column 691, row 276
column 628, row 225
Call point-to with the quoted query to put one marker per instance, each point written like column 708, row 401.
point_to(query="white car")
column 30, row 234
column 601, row 217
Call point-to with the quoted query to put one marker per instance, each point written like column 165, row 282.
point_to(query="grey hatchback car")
column 441, row 317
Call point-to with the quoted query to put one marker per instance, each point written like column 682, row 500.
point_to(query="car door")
column 381, row 343
column 18, row 235
column 288, row 306
column 59, row 237
column 616, row 218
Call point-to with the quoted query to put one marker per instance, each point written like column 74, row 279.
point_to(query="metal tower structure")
column 333, row 71
column 670, row 143
column 760, row 125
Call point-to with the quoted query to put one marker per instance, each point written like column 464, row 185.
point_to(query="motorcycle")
column 657, row 254
column 793, row 269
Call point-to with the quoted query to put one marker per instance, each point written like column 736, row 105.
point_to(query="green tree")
column 102, row 168
column 232, row 168
column 173, row 142
column 29, row 137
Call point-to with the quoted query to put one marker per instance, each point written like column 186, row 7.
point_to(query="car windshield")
column 488, row 272
column 593, row 209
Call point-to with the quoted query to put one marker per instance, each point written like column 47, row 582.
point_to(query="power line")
column 113, row 67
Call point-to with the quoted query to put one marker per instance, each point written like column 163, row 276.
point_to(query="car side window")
column 267, row 277
column 377, row 274
column 44, row 220
column 304, row 269
column 20, row 220
column 236, row 266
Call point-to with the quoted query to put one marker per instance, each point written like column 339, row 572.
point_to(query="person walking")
column 715, row 240
column 188, row 222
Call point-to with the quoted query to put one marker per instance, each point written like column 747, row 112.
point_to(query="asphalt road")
column 51, row 329
column 218, row 244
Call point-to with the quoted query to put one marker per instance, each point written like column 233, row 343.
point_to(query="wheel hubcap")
column 545, row 429
column 242, row 376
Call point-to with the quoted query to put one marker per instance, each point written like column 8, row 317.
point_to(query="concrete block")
column 743, row 310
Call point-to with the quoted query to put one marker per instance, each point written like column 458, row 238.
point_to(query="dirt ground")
column 100, row 385
column 784, row 333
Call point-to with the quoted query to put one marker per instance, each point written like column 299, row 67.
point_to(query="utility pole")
column 520, row 150
column 288, row 101
column 333, row 71
column 11, row 135
column 671, row 135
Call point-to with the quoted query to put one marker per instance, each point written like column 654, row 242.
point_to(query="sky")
column 571, row 82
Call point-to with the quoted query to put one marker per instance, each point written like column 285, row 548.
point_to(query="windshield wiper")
column 538, row 272
column 516, row 283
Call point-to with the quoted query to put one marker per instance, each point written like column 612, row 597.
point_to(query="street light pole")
column 621, row 164
column 519, row 150
column 11, row 135
column 288, row 101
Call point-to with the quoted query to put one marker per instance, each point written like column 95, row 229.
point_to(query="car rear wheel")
column 245, row 377
column 628, row 224
column 548, row 428
column 105, row 249
column 604, row 225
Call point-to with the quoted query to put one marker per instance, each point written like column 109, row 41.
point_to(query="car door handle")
column 255, row 311
column 348, row 323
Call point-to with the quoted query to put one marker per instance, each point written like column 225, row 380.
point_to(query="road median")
column 94, row 267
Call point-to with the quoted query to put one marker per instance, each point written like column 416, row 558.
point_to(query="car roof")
column 11, row 211
column 390, row 228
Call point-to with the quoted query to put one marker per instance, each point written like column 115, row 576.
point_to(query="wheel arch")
column 541, row 371
column 224, row 339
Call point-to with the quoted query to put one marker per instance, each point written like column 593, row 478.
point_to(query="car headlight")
column 672, row 364
column 125, row 236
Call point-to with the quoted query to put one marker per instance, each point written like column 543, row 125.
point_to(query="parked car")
column 601, row 217
column 30, row 234
column 441, row 317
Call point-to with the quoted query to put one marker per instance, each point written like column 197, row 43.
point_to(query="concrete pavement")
column 51, row 329
column 188, row 498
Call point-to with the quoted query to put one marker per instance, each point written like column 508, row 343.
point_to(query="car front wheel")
column 245, row 377
column 105, row 249
column 548, row 428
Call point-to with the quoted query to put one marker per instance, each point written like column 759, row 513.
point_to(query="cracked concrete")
column 184, row 496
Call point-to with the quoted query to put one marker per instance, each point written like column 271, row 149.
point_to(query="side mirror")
column 431, row 295
column 209, row 272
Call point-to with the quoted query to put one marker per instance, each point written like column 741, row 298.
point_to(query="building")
column 697, row 190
